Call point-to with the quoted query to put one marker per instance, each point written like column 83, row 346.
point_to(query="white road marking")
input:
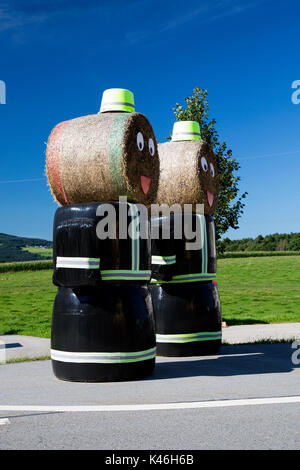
column 154, row 406
column 4, row 421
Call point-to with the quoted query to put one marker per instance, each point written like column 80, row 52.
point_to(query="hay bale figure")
column 188, row 170
column 103, row 156
column 102, row 322
column 184, row 294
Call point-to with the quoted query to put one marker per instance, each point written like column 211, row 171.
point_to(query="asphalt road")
column 213, row 405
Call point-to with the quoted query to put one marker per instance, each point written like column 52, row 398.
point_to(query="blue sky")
column 57, row 57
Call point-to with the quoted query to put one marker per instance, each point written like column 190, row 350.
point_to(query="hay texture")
column 98, row 158
column 182, row 177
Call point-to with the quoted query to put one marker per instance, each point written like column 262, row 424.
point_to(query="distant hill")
column 13, row 248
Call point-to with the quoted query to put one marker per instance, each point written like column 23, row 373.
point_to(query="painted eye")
column 204, row 164
column 212, row 170
column 151, row 147
column 140, row 141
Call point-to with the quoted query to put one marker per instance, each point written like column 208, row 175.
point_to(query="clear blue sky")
column 57, row 57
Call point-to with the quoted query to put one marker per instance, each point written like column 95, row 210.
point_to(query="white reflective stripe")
column 156, row 259
column 188, row 338
column 104, row 357
column 77, row 262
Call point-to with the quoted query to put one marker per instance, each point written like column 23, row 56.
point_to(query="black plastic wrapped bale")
column 183, row 255
column 163, row 248
column 103, row 334
column 81, row 258
column 188, row 318
column 185, row 299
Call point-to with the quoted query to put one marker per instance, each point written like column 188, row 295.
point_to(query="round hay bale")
column 101, row 157
column 188, row 175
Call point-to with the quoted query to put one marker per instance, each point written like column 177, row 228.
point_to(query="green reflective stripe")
column 155, row 259
column 204, row 249
column 135, row 237
column 180, row 279
column 125, row 274
column 213, row 238
column 104, row 357
column 116, row 155
column 202, row 222
column 190, row 337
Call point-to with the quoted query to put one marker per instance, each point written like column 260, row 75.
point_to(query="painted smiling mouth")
column 210, row 198
column 145, row 183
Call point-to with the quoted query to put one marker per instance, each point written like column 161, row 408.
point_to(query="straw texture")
column 96, row 158
column 182, row 178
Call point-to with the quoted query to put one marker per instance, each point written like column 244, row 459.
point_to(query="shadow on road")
column 233, row 360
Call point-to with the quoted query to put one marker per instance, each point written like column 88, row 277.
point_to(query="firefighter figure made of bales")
column 102, row 324
column 184, row 292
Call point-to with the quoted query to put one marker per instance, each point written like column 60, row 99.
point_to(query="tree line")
column 274, row 242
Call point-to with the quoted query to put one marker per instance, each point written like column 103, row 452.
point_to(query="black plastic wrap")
column 188, row 263
column 115, row 323
column 163, row 248
column 188, row 318
column 82, row 259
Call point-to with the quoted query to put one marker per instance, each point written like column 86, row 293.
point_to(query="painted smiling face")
column 188, row 175
column 141, row 161
column 208, row 178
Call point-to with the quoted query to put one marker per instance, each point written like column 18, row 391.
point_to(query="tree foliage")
column 274, row 242
column 230, row 205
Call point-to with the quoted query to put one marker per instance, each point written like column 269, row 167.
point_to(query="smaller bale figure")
column 102, row 323
column 184, row 293
column 188, row 170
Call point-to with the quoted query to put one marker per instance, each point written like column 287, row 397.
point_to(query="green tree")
column 230, row 205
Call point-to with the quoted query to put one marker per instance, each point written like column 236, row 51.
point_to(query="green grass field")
column 46, row 252
column 26, row 300
column 252, row 290
column 260, row 290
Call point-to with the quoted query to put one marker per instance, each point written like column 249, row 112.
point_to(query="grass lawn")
column 259, row 290
column 26, row 300
column 252, row 290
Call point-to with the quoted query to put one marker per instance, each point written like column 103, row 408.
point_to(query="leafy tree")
column 294, row 244
column 230, row 205
column 282, row 245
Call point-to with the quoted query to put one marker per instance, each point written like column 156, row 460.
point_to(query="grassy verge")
column 26, row 359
